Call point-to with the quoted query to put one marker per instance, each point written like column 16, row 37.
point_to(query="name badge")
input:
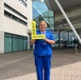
column 44, row 43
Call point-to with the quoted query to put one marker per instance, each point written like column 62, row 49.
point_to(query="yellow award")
column 34, row 35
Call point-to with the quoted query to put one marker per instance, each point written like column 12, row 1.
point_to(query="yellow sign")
column 38, row 37
column 34, row 35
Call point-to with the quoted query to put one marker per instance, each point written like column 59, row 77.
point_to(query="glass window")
column 6, row 13
column 21, row 43
column 50, row 13
column 15, row 43
column 23, row 2
column 25, row 43
column 51, row 20
column 41, row 12
column 8, row 43
column 10, row 8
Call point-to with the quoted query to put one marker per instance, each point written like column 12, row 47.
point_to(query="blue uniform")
column 42, row 53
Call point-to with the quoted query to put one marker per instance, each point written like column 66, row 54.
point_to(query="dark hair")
column 42, row 21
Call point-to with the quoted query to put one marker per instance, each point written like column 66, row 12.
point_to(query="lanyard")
column 43, row 32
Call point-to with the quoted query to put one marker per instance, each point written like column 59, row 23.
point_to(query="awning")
column 66, row 4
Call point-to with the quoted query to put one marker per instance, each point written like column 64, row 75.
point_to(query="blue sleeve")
column 52, row 36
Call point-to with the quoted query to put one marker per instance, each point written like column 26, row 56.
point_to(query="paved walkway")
column 66, row 65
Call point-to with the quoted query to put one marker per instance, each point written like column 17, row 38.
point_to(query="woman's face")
column 43, row 26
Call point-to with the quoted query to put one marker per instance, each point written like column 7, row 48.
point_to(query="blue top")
column 43, row 48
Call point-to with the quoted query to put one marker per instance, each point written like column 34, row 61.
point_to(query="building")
column 50, row 12
column 16, row 17
column 15, row 20
column 65, row 37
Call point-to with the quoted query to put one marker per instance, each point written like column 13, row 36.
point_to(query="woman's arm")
column 49, row 41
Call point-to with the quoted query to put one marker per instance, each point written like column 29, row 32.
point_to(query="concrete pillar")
column 59, row 39
column 1, row 42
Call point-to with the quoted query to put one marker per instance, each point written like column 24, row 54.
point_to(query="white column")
column 1, row 42
column 68, row 20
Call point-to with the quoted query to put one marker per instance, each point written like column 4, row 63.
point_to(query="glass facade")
column 41, row 12
column 64, row 38
column 8, row 43
column 14, row 43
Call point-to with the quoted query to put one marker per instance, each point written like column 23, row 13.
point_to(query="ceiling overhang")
column 66, row 4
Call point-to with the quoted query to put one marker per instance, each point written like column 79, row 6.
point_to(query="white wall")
column 17, row 5
column 1, row 42
column 29, row 10
column 12, row 26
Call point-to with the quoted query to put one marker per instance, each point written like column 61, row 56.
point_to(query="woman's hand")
column 49, row 41
column 32, row 41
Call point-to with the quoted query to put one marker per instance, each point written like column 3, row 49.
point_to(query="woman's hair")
column 42, row 21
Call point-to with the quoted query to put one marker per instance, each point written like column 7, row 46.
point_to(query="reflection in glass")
column 41, row 12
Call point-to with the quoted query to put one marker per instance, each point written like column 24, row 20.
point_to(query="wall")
column 1, row 42
column 11, row 26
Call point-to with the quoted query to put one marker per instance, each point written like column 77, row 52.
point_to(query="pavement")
column 66, row 65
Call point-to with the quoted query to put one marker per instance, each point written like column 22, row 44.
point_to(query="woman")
column 43, row 52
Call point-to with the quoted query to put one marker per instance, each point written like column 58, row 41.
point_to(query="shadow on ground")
column 22, row 63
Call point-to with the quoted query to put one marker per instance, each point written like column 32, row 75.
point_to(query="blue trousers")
column 43, row 65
